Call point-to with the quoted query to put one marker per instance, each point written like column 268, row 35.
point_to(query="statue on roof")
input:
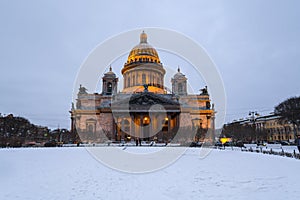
column 82, row 90
column 145, row 88
column 204, row 91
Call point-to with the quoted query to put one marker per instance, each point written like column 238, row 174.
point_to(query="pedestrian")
column 136, row 141
column 298, row 143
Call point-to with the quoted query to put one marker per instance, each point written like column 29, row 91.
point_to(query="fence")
column 277, row 150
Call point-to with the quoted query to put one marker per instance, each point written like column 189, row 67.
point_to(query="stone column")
column 150, row 131
column 141, row 126
column 122, row 129
column 169, row 122
column 213, row 128
column 132, row 127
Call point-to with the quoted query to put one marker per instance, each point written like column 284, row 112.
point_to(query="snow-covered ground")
column 72, row 173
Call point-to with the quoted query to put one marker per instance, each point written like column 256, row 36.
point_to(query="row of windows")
column 144, row 51
column 280, row 130
column 134, row 81
column 144, row 60
column 282, row 137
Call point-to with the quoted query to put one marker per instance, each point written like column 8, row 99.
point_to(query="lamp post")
column 253, row 115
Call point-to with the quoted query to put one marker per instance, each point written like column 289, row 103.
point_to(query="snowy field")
column 72, row 173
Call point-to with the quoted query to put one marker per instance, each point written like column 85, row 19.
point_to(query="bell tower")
column 109, row 83
column 179, row 83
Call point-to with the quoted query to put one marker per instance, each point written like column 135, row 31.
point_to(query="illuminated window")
column 146, row 120
column 109, row 88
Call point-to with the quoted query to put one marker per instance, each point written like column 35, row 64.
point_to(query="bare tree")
column 289, row 111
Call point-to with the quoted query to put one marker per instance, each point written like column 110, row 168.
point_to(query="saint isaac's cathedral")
column 144, row 109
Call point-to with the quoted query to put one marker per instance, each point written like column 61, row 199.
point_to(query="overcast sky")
column 255, row 45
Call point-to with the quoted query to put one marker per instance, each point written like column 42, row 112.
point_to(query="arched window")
column 109, row 88
column 165, row 124
column 91, row 128
column 180, row 88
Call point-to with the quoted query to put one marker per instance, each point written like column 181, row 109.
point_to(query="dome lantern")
column 143, row 52
column 143, row 37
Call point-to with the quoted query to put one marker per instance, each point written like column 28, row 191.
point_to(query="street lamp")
column 253, row 115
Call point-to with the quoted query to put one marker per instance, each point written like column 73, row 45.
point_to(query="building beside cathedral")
column 144, row 109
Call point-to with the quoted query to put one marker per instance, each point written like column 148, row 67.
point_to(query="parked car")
column 228, row 144
column 196, row 144
column 273, row 142
column 239, row 144
column 218, row 144
column 284, row 143
column 51, row 143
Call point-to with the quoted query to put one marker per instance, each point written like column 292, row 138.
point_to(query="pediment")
column 147, row 98
column 144, row 100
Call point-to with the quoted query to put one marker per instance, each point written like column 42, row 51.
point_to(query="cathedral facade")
column 144, row 109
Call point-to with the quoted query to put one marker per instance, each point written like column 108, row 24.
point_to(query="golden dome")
column 143, row 67
column 143, row 52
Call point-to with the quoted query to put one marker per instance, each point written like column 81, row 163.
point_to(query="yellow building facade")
column 276, row 129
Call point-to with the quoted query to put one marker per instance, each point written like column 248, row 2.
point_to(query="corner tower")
column 179, row 83
column 109, row 83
